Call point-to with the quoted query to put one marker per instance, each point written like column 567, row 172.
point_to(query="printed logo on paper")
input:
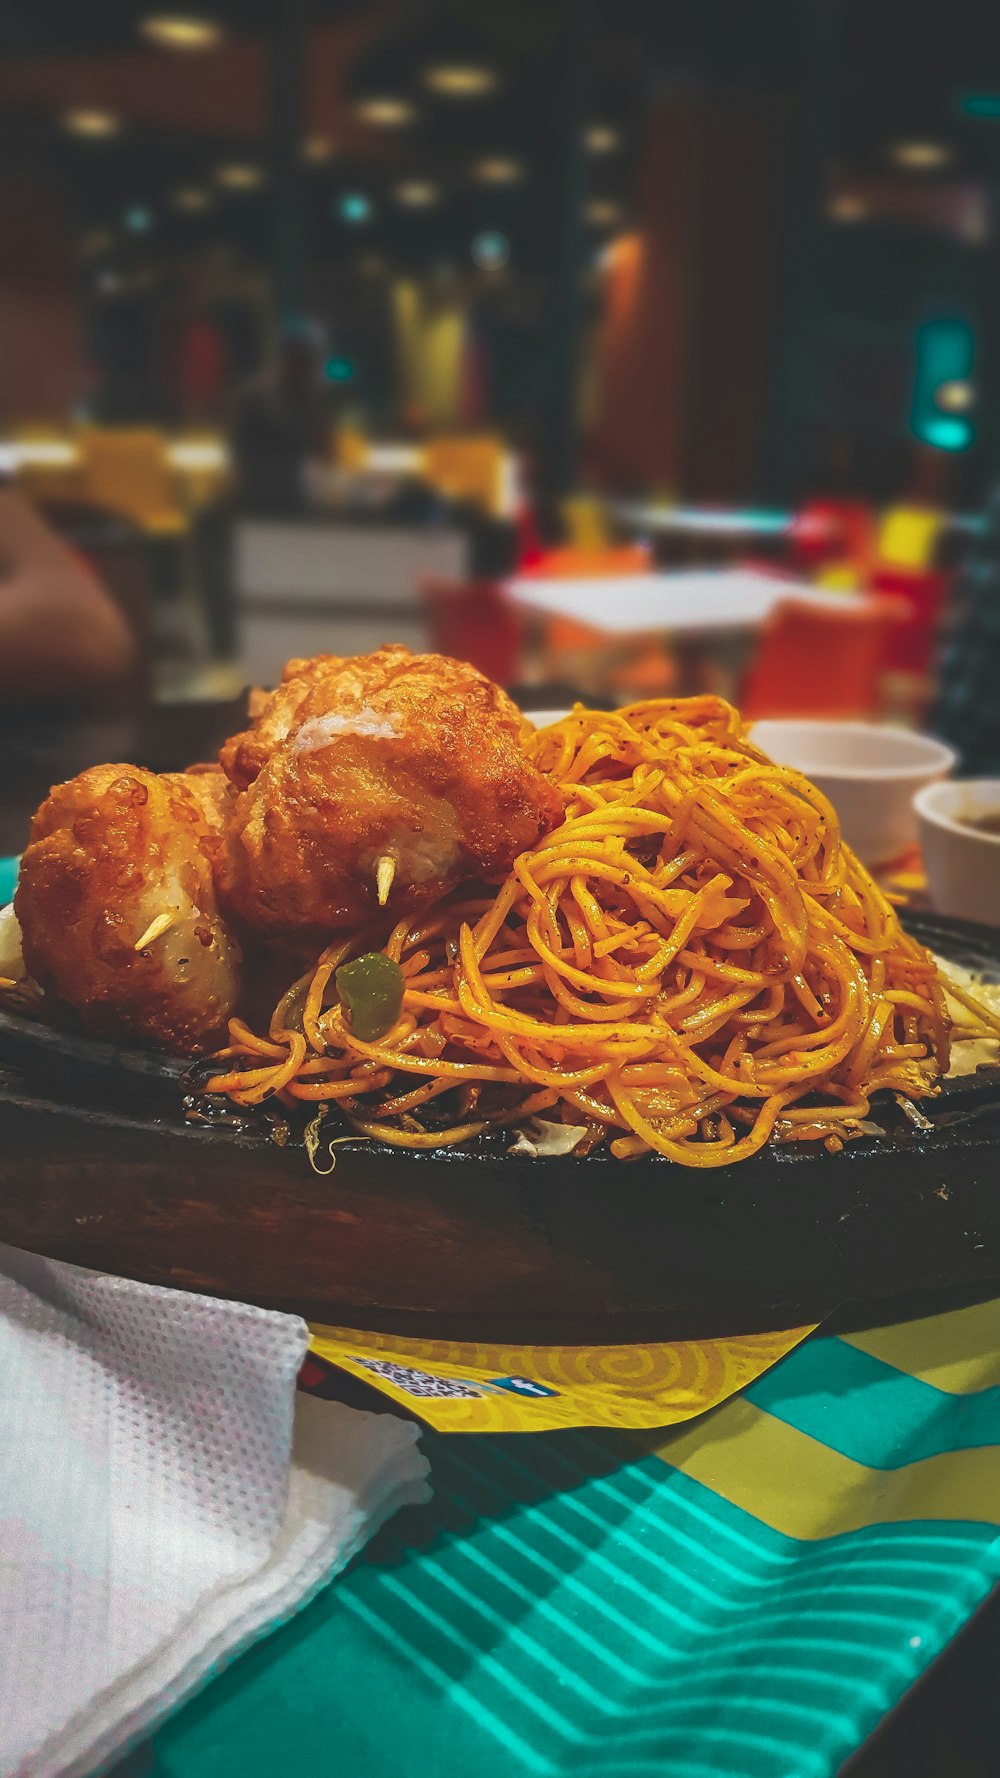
column 521, row 1386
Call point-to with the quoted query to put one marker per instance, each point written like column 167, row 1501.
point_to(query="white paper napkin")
column 165, row 1498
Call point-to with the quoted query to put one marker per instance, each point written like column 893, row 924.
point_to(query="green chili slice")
column 371, row 991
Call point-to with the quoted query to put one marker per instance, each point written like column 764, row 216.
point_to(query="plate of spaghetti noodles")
column 396, row 918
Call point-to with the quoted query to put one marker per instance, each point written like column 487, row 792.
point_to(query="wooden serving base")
column 99, row 1167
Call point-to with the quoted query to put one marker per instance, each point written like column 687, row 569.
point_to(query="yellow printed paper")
column 465, row 1387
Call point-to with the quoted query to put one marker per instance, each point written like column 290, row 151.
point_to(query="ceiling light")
column 191, row 199
column 416, row 194
column 921, row 157
column 600, row 138
column 394, row 459
column 847, row 207
column 981, row 104
column 355, row 208
column 490, row 250
column 138, row 219
column 194, row 454
column 239, row 176
column 318, row 149
column 42, row 453
column 179, row 31
column 955, row 397
column 385, row 112
column 602, row 212
column 89, row 121
column 460, row 80
column 498, row 169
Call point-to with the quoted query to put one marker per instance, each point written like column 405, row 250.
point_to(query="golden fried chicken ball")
column 117, row 905
column 387, row 777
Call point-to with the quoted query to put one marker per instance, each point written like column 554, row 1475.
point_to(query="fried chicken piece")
column 415, row 759
column 110, row 853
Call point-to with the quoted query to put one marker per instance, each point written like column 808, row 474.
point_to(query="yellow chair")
column 127, row 471
column 466, row 469
column 585, row 523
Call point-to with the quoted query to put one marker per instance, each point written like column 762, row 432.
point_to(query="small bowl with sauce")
column 959, row 826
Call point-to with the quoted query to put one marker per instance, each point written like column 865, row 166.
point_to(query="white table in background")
column 681, row 605
column 697, row 614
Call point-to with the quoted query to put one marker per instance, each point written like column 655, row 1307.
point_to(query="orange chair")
column 472, row 621
column 596, row 663
column 570, row 563
column 648, row 670
column 814, row 662
column 575, row 654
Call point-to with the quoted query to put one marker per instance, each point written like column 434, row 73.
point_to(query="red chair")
column 814, row 662
column 910, row 644
column 472, row 621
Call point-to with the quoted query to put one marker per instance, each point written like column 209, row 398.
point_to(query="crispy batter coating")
column 109, row 852
column 273, row 714
column 412, row 757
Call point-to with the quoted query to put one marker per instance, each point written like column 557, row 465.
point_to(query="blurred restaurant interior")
column 620, row 348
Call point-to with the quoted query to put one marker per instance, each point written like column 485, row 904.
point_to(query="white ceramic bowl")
column 542, row 718
column 870, row 775
column 962, row 864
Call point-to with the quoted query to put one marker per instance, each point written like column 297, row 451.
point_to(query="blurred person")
column 281, row 427
column 966, row 709
column 60, row 631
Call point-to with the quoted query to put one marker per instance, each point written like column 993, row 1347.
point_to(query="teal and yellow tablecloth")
column 741, row 1596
